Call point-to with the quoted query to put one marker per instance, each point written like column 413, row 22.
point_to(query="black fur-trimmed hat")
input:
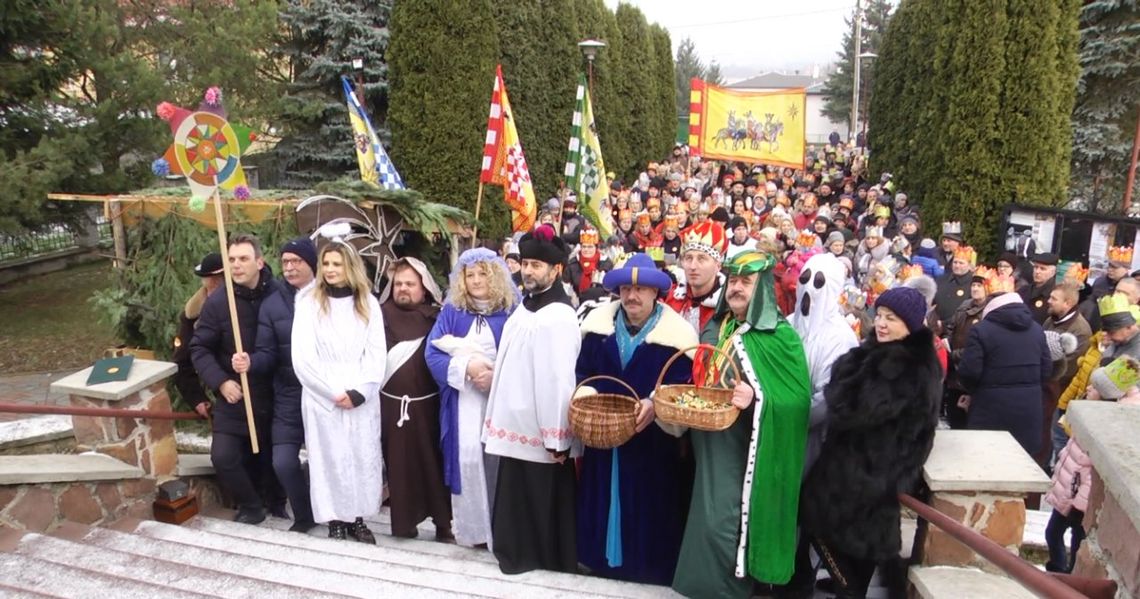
column 543, row 244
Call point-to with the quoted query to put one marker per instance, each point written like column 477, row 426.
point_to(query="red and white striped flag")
column 503, row 161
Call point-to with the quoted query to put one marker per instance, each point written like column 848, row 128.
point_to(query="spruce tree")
column 322, row 37
column 687, row 65
column 663, row 119
column 441, row 60
column 1104, row 117
column 636, row 83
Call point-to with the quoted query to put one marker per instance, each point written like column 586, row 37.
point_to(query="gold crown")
column 588, row 237
column 911, row 271
column 625, row 213
column 806, row 239
column 643, row 218
column 1120, row 254
column 966, row 253
column 1116, row 303
column 1000, row 284
column 672, row 221
column 656, row 252
column 1077, row 273
column 651, row 202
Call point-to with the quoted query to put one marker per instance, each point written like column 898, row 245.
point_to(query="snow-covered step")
column 64, row 547
column 145, row 539
column 14, row 593
column 476, row 568
column 32, row 575
column 944, row 582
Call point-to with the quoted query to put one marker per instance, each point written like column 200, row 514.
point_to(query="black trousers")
column 1061, row 560
column 247, row 477
column 287, row 467
column 851, row 575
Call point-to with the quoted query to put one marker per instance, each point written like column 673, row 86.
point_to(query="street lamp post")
column 859, row 61
column 590, row 49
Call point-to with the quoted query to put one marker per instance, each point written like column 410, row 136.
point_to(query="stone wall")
column 998, row 517
column 42, row 507
column 148, row 444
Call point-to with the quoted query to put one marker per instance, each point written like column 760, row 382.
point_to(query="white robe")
column 334, row 353
column 471, row 510
column 528, row 410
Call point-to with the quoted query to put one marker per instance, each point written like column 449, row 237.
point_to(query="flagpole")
column 222, row 245
column 478, row 205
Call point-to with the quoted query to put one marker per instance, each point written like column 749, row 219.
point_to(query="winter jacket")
column 1085, row 365
column 867, row 259
column 883, row 401
column 1037, row 298
column 213, row 348
column 186, row 379
column 274, row 358
column 1004, row 367
column 1072, row 480
column 952, row 291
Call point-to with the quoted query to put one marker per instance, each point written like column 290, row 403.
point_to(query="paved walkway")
column 30, row 388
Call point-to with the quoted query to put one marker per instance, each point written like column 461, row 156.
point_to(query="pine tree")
column 322, row 38
column 840, row 85
column 441, row 59
column 687, row 65
column 712, row 73
column 663, row 119
column 1104, row 117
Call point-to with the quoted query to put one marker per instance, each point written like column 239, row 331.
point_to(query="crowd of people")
column 846, row 332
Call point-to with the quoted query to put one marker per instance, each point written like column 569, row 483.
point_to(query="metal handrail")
column 1044, row 584
column 19, row 408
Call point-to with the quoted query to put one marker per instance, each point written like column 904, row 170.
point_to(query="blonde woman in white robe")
column 339, row 357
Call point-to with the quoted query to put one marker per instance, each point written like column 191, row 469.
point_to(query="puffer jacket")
column 1085, row 365
column 1072, row 479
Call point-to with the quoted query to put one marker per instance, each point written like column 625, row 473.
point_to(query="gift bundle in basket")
column 604, row 420
column 695, row 406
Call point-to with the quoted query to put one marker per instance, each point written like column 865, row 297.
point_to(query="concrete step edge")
column 54, row 579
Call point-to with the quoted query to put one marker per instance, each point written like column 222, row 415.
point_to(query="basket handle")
column 661, row 377
column 632, row 394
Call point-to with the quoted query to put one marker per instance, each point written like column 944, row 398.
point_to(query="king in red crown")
column 703, row 248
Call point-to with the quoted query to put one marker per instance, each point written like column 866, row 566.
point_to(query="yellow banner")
column 754, row 127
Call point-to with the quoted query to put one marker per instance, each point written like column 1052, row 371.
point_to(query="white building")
column 819, row 127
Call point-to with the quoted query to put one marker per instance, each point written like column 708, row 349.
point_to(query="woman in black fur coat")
column 883, row 401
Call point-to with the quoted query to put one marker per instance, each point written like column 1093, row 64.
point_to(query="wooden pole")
column 223, row 246
column 118, row 232
column 478, row 205
column 1132, row 169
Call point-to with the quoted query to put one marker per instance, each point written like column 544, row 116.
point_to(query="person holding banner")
column 212, row 350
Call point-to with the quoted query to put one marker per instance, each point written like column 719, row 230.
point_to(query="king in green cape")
column 742, row 519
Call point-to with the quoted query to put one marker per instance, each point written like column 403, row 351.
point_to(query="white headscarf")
column 425, row 276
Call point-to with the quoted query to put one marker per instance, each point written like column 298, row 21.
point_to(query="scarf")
column 589, row 265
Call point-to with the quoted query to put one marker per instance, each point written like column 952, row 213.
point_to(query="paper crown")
column 1123, row 372
column 1117, row 303
column 708, row 237
column 999, row 283
column 656, row 252
column 874, row 232
column 853, row 297
column 624, row 214
column 952, row 228
column 1120, row 254
column 643, row 218
column 652, row 202
column 847, row 203
column 910, row 272
column 966, row 253
column 806, row 239
column 1077, row 273
column 882, row 211
column 672, row 220
column 588, row 237
column 810, row 200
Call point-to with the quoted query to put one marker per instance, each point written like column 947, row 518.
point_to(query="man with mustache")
column 527, row 423
column 629, row 499
column 409, row 403
column 742, row 521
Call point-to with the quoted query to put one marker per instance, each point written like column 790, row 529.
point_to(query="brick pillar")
column 148, row 444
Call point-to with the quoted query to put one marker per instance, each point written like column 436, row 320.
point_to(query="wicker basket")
column 604, row 420
column 717, row 419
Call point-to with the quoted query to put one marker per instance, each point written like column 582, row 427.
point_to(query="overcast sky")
column 748, row 37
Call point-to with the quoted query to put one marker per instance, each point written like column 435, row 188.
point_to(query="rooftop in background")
column 773, row 80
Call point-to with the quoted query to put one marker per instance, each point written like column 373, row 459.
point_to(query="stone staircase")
column 211, row 556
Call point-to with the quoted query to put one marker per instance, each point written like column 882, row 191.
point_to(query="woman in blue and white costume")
column 461, row 355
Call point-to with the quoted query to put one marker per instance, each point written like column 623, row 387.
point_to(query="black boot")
column 250, row 515
column 302, row 526
column 359, row 531
column 337, row 530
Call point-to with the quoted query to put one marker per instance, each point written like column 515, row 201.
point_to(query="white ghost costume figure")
column 818, row 318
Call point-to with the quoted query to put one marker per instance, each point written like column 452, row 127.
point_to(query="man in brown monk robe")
column 409, row 404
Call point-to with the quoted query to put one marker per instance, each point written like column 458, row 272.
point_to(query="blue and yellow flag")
column 375, row 166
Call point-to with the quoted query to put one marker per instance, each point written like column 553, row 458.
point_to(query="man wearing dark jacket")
column 274, row 357
column 954, row 286
column 186, row 379
column 212, row 350
column 1036, row 294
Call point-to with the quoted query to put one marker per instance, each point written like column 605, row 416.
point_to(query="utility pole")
column 1132, row 170
column 856, row 60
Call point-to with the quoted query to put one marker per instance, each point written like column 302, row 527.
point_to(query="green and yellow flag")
column 585, row 171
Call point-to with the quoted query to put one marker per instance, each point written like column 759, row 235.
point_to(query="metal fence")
column 54, row 238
